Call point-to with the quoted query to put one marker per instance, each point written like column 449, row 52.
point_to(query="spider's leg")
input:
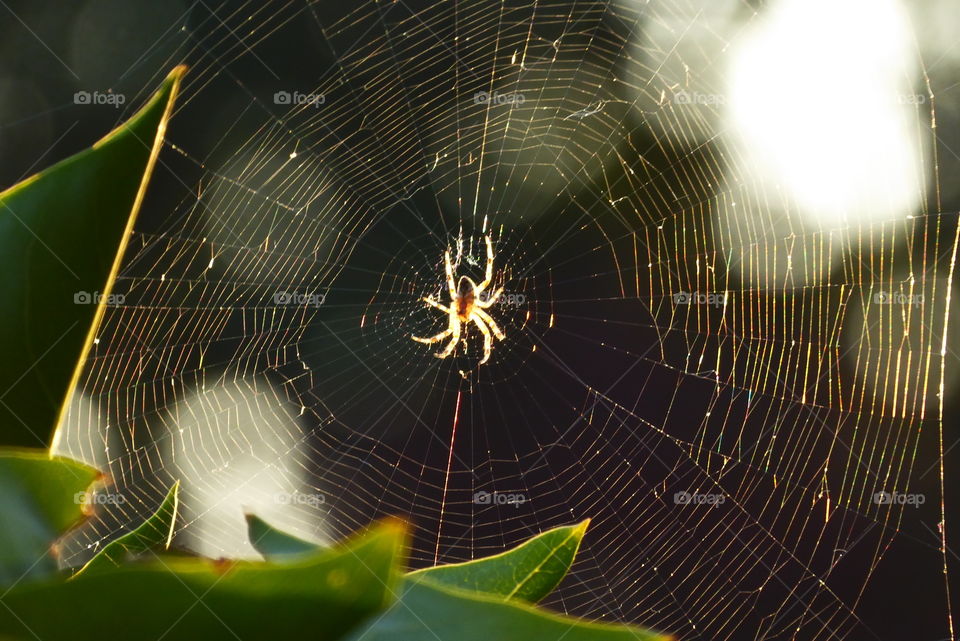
column 487, row 339
column 454, row 338
column 489, row 300
column 430, row 301
column 433, row 339
column 488, row 274
column 489, row 321
column 443, row 334
column 448, row 268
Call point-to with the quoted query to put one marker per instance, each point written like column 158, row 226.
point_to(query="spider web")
column 674, row 326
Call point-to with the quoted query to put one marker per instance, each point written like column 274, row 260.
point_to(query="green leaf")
column 429, row 611
column 320, row 597
column 39, row 500
column 62, row 236
column 528, row 572
column 155, row 532
column 273, row 544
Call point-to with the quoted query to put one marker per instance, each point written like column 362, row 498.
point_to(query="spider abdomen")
column 466, row 298
column 465, row 305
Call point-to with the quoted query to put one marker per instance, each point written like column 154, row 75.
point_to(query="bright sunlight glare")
column 823, row 108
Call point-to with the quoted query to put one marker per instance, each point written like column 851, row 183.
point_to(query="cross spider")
column 467, row 304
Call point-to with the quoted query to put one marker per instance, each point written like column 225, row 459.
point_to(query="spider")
column 467, row 304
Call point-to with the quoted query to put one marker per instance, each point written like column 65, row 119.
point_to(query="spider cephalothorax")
column 468, row 302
